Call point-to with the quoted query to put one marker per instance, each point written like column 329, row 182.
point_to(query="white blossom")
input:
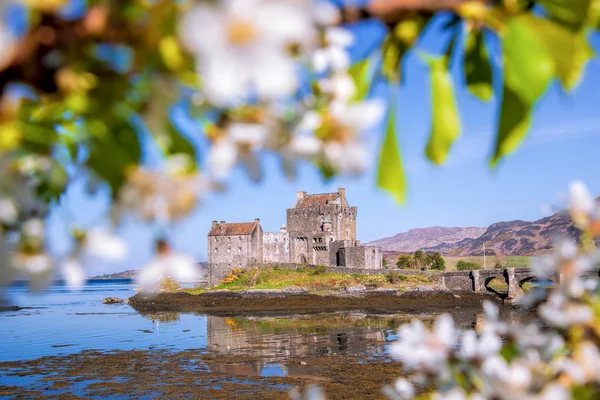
column 419, row 348
column 344, row 150
column 157, row 195
column 8, row 210
column 37, row 267
column 104, row 245
column 453, row 394
column 72, row 271
column 179, row 267
column 340, row 86
column 334, row 56
column 585, row 365
column 33, row 228
column 558, row 311
column 404, row 388
column 242, row 46
column 240, row 143
column 580, row 199
column 505, row 380
column 325, row 13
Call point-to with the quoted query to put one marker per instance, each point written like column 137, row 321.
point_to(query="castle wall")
column 226, row 252
column 363, row 257
column 337, row 251
column 305, row 224
column 233, row 250
column 299, row 251
column 320, row 256
column 276, row 247
column 308, row 221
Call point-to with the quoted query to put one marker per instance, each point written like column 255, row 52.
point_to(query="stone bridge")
column 479, row 280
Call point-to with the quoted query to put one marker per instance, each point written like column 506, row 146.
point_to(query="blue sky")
column 562, row 146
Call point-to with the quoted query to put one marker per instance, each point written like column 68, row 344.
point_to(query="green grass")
column 278, row 279
column 505, row 261
column 517, row 261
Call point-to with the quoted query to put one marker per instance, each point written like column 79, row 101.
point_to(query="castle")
column 321, row 230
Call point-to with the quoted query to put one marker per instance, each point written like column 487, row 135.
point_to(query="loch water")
column 61, row 322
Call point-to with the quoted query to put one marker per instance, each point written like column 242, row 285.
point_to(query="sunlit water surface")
column 61, row 322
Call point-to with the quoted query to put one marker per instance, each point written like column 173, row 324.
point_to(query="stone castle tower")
column 321, row 230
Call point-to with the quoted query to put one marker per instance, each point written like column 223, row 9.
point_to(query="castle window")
column 216, row 250
column 240, row 238
column 240, row 249
column 229, row 239
column 229, row 249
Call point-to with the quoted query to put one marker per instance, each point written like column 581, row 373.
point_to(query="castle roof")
column 236, row 228
column 312, row 200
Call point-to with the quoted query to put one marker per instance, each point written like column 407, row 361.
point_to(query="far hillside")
column 508, row 238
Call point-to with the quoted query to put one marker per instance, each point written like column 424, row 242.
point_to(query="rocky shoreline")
column 225, row 302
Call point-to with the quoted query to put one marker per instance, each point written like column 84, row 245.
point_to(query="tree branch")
column 390, row 11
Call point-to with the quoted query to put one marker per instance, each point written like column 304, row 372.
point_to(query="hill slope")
column 514, row 237
column 415, row 239
column 511, row 238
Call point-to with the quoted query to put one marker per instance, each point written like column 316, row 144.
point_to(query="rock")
column 114, row 300
column 428, row 288
column 384, row 290
column 356, row 289
column 10, row 308
column 303, row 363
column 220, row 292
column 294, row 290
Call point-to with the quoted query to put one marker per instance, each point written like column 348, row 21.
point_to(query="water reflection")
column 300, row 336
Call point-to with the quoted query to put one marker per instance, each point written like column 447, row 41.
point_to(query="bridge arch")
column 500, row 291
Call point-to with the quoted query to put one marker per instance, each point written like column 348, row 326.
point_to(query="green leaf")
column 392, row 52
column 569, row 13
column 527, row 62
column 515, row 117
column 362, row 76
column 528, row 69
column 53, row 186
column 445, row 122
column 178, row 144
column 570, row 51
column 509, row 351
column 478, row 71
column 111, row 156
column 390, row 175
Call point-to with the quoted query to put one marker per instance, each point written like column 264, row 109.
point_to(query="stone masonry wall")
column 337, row 257
column 276, row 247
column 232, row 250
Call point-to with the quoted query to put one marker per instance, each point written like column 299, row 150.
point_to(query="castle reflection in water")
column 258, row 346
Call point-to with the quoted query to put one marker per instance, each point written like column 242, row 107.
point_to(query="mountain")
column 518, row 238
column 129, row 274
column 514, row 237
column 416, row 239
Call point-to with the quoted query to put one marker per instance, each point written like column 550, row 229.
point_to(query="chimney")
column 283, row 229
column 257, row 221
column 342, row 193
column 215, row 223
column 222, row 222
column 299, row 196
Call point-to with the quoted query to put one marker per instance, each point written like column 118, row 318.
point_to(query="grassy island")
column 315, row 280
